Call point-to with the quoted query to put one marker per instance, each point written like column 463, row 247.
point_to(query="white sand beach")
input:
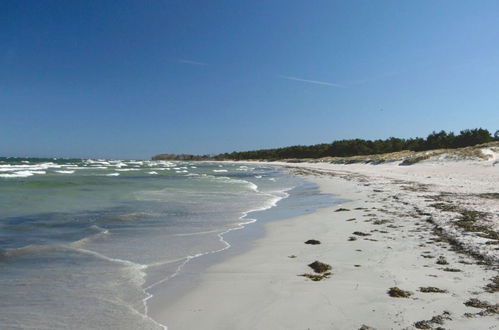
column 431, row 225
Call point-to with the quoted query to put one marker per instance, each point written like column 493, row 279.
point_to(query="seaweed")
column 399, row 293
column 493, row 286
column 442, row 261
column 428, row 324
column 319, row 267
column 454, row 270
column 477, row 303
column 316, row 277
column 359, row 233
column 432, row 289
column 381, row 222
column 366, row 327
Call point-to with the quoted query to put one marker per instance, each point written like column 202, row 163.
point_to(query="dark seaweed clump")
column 432, row 289
column 319, row 267
column 398, row 293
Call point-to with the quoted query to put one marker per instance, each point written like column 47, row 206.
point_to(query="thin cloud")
column 316, row 82
column 184, row 61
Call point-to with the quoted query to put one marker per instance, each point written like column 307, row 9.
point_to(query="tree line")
column 354, row 147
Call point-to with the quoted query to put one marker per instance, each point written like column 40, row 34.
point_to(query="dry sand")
column 411, row 215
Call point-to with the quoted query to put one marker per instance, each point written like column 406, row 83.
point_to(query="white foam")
column 37, row 167
column 153, row 172
column 65, row 172
column 20, row 174
column 220, row 171
column 112, row 174
column 38, row 172
column 119, row 164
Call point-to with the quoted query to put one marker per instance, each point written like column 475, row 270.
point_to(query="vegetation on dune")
column 356, row 147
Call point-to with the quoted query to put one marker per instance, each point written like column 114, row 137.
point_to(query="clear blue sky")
column 129, row 79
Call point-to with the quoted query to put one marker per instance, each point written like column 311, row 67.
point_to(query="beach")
column 409, row 247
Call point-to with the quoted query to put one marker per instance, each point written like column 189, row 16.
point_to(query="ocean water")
column 84, row 243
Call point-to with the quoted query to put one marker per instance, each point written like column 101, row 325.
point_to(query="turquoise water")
column 83, row 243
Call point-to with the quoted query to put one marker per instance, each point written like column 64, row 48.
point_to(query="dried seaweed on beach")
column 487, row 309
column 428, row 324
column 454, row 270
column 381, row 222
column 313, row 242
column 319, row 267
column 359, row 233
column 316, row 277
column 473, row 302
column 399, row 293
column 366, row 327
column 493, row 286
column 442, row 261
column 341, row 210
column 432, row 289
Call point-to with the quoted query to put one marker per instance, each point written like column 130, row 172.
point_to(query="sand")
column 406, row 236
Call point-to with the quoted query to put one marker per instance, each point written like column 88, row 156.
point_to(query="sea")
column 86, row 243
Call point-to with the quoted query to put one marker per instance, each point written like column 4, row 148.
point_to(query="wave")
column 66, row 172
column 100, row 233
column 21, row 174
column 39, row 248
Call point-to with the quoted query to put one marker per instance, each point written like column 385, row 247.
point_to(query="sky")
column 130, row 79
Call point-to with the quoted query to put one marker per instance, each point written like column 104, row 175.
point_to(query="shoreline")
column 236, row 240
column 393, row 245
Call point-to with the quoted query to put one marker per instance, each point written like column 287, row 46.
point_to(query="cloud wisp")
column 316, row 82
column 190, row 62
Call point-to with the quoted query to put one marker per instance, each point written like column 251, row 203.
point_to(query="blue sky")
column 130, row 79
